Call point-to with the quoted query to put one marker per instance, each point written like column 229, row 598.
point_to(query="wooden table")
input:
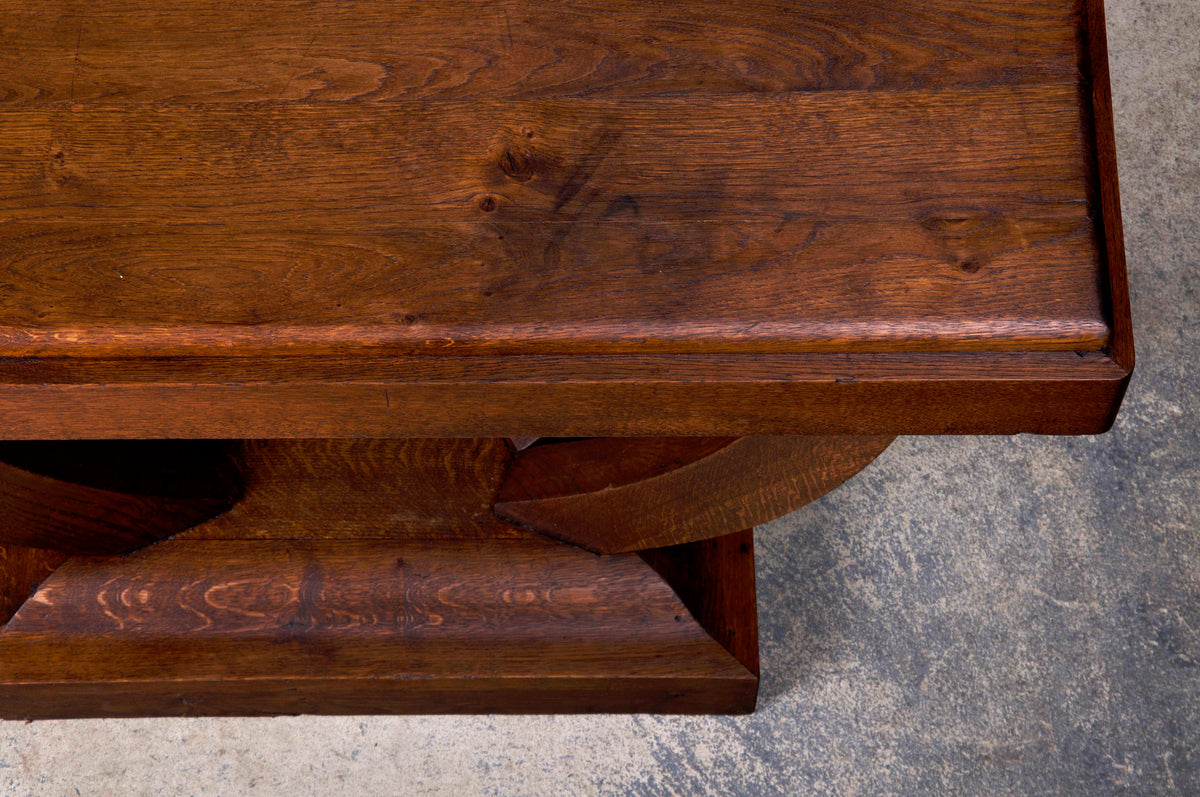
column 337, row 339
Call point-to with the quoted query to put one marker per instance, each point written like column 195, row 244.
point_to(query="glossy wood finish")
column 370, row 191
column 203, row 51
column 1106, row 195
column 510, row 242
column 364, row 490
column 628, row 494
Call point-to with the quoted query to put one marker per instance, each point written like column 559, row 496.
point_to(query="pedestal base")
column 297, row 627
column 372, row 577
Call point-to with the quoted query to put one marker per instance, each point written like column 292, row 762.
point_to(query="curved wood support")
column 110, row 497
column 612, row 495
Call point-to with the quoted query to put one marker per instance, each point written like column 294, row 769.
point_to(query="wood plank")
column 628, row 494
column 844, row 369
column 325, row 166
column 560, row 467
column 373, row 51
column 273, row 696
column 285, row 590
column 569, row 396
column 1006, row 283
column 274, row 626
column 620, row 226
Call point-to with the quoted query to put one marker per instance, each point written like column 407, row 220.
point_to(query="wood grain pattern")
column 572, row 396
column 364, row 489
column 287, row 626
column 571, row 466
column 507, row 244
column 377, row 51
column 626, row 494
column 671, row 289
column 109, row 497
column 353, row 562
column 273, row 696
column 590, row 178
column 365, row 168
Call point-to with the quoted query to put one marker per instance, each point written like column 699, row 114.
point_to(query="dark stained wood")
column 1106, row 196
column 715, row 580
column 270, row 695
column 364, row 489
column 109, row 497
column 577, row 466
column 377, row 51
column 127, row 237
column 531, row 180
column 627, row 494
column 851, row 156
column 866, row 394
column 251, row 627
column 367, row 576
column 754, row 287
column 21, row 571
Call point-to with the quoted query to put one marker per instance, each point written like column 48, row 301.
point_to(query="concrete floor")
column 969, row 616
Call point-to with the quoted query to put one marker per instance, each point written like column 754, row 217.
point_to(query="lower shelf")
column 251, row 627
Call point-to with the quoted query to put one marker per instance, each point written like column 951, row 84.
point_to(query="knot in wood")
column 518, row 165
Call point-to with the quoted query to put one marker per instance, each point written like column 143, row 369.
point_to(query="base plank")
column 250, row 627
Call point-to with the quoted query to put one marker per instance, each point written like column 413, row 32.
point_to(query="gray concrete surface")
column 970, row 616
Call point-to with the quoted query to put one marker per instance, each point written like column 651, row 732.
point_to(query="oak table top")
column 597, row 217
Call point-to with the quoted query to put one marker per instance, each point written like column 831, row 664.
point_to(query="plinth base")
column 372, row 577
column 286, row 627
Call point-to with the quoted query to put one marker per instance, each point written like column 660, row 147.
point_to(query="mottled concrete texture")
column 969, row 616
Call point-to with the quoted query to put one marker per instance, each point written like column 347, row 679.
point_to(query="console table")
column 398, row 356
